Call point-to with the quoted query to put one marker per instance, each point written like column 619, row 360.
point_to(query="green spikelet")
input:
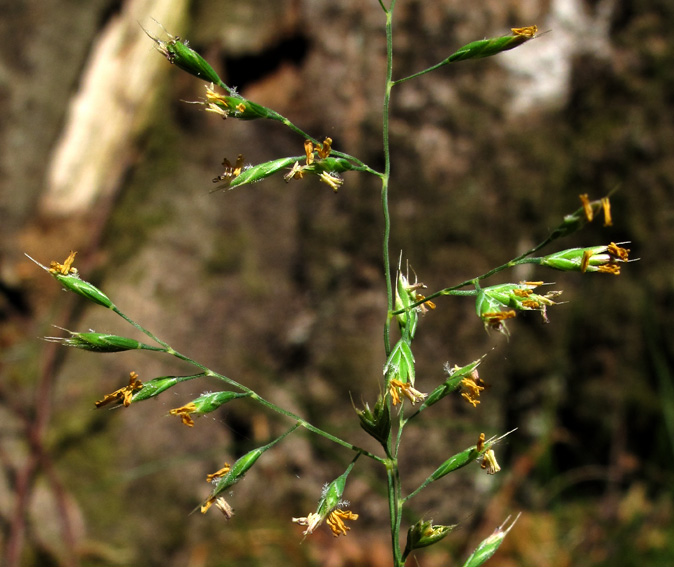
column 494, row 45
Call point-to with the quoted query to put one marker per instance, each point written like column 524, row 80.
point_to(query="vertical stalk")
column 392, row 472
column 395, row 495
column 395, row 509
column 387, row 175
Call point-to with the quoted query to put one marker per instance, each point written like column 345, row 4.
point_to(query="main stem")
column 386, row 177
column 392, row 472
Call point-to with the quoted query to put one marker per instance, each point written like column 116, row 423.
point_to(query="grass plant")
column 398, row 402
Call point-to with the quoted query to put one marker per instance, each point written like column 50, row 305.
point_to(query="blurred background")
column 280, row 285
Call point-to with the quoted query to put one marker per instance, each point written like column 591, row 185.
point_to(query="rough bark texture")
column 280, row 285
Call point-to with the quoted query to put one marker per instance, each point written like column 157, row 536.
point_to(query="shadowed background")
column 280, row 285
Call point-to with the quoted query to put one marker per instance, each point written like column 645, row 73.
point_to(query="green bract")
column 158, row 385
column 262, row 171
column 238, row 470
column 487, row 303
column 497, row 303
column 243, row 465
column 489, row 546
column 236, row 106
column 456, row 462
column 212, row 401
column 184, row 57
column 423, row 534
column 247, row 110
column 376, row 422
column 405, row 296
column 494, row 45
column 605, row 259
column 101, row 342
column 400, row 363
column 451, row 384
column 331, row 165
column 70, row 279
column 85, row 289
column 332, row 493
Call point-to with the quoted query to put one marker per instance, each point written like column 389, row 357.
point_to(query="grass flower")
column 206, row 403
column 376, row 421
column 233, row 105
column 180, row 54
column 605, row 259
column 184, row 413
column 398, row 388
column 332, row 180
column 65, row 268
column 492, row 46
column 221, row 504
column 69, row 278
column 231, row 171
column 331, row 508
column 589, row 208
column 423, row 534
column 219, row 473
column 335, row 520
column 606, row 207
column 319, row 163
column 471, row 386
column 489, row 462
column 495, row 319
column 124, row 394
